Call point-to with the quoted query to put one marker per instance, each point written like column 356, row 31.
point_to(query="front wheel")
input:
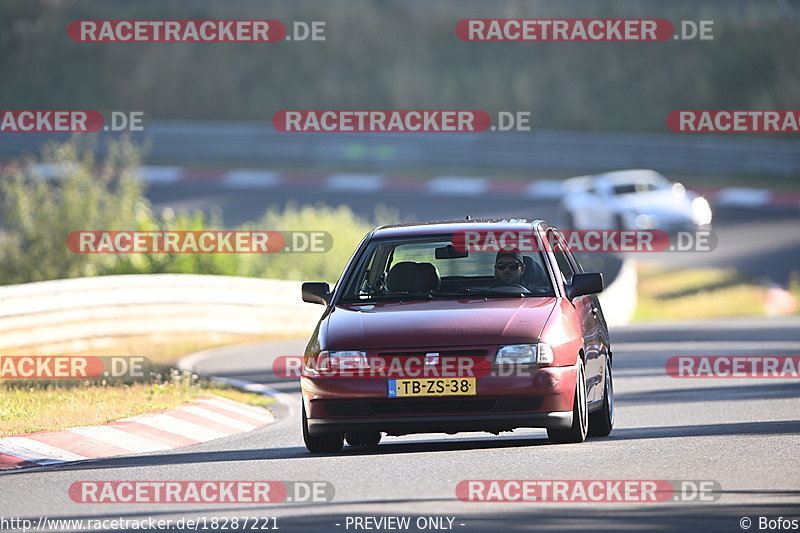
column 580, row 419
column 601, row 422
column 325, row 443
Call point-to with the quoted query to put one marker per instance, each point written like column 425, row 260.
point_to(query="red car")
column 423, row 334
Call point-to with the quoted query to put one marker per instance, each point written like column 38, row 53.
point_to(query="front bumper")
column 443, row 424
column 542, row 399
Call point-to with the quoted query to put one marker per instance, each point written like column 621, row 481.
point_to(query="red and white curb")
column 201, row 420
column 436, row 186
column 453, row 186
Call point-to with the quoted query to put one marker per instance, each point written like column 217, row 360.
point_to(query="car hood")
column 437, row 323
column 662, row 202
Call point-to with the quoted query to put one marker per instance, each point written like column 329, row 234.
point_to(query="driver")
column 509, row 269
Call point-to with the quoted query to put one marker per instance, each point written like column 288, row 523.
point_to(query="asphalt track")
column 742, row 433
column 761, row 243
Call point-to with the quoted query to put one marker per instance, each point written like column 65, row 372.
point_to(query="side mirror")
column 316, row 292
column 582, row 284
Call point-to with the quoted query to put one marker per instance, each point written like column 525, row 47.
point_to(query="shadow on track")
column 573, row 517
column 293, row 452
column 299, row 452
column 722, row 392
column 788, row 427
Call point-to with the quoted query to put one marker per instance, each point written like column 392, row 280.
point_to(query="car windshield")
column 638, row 186
column 430, row 268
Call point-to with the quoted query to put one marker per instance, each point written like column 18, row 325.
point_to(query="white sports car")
column 631, row 199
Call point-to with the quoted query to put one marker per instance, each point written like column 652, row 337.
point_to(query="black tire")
column 363, row 438
column 580, row 415
column 325, row 443
column 602, row 422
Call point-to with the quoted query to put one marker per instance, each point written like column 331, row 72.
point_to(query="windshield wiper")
column 393, row 297
column 470, row 291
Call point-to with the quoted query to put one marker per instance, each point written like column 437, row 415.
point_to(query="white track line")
column 355, row 182
column 549, row 189
column 246, row 178
column 458, row 186
column 160, row 174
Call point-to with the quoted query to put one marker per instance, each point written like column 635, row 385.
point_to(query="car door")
column 600, row 338
column 586, row 308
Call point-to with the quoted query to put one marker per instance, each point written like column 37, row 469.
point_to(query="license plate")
column 432, row 387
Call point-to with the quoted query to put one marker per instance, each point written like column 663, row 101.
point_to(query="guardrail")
column 232, row 143
column 54, row 315
column 75, row 314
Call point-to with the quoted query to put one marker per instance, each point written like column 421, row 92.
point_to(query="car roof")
column 453, row 226
column 630, row 176
column 614, row 177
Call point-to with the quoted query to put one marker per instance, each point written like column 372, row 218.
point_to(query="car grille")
column 445, row 353
column 432, row 406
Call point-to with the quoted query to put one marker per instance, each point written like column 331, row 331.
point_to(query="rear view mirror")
column 316, row 292
column 582, row 284
column 448, row 252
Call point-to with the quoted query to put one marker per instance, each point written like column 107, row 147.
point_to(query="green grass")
column 695, row 294
column 31, row 407
column 38, row 215
column 50, row 405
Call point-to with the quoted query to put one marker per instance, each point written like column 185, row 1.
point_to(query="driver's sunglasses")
column 504, row 266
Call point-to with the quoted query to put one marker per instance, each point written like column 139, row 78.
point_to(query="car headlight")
column 517, row 354
column 701, row 211
column 341, row 360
